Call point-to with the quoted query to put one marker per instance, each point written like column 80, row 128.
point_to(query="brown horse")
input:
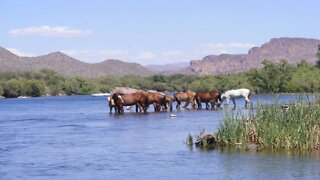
column 157, row 99
column 169, row 101
column 139, row 98
column 187, row 97
column 212, row 97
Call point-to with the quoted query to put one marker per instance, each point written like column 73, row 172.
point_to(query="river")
column 75, row 137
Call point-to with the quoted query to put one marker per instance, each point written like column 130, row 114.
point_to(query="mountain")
column 69, row 66
column 291, row 49
column 168, row 67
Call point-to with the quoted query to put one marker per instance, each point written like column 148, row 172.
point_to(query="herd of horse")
column 164, row 102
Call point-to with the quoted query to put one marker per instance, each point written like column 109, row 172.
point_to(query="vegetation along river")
column 75, row 137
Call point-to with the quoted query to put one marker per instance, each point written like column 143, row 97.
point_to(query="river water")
column 75, row 137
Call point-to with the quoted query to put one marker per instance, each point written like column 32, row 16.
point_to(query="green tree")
column 1, row 90
column 318, row 56
column 273, row 77
column 12, row 88
column 77, row 86
column 159, row 78
column 34, row 88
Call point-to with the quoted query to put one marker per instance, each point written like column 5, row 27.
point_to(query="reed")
column 293, row 127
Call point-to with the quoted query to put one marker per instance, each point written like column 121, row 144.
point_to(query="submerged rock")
column 206, row 140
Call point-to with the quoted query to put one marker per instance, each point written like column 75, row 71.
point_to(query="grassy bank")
column 293, row 127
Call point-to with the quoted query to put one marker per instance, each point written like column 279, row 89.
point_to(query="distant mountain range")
column 291, row 49
column 69, row 66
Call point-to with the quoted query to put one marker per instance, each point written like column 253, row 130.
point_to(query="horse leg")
column 247, row 102
column 207, row 106
column 227, row 101
column 186, row 103
column 194, row 103
column 178, row 104
column 234, row 103
column 144, row 107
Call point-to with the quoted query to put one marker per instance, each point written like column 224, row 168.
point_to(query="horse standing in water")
column 237, row 93
column 187, row 97
column 140, row 99
column 158, row 100
column 212, row 97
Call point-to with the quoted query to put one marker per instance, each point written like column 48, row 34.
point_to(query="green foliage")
column 295, row 128
column 77, row 85
column 12, row 88
column 34, row 88
column 271, row 78
column 318, row 55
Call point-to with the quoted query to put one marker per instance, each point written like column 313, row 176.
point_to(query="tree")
column 273, row 77
column 34, row 88
column 78, row 86
column 318, row 56
column 12, row 88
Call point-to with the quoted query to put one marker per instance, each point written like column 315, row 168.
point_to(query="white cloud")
column 146, row 55
column 241, row 45
column 94, row 56
column 47, row 31
column 222, row 48
column 172, row 54
column 20, row 53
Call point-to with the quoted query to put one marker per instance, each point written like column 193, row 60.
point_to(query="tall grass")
column 294, row 128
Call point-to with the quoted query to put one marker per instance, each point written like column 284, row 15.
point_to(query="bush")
column 12, row 88
column 34, row 88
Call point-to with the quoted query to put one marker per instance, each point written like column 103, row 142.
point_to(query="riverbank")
column 295, row 126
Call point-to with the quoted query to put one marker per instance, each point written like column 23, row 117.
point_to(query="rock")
column 124, row 90
column 291, row 49
column 206, row 140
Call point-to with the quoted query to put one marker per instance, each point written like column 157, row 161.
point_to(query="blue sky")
column 151, row 31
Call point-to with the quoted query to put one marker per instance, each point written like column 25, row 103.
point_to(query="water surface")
column 75, row 137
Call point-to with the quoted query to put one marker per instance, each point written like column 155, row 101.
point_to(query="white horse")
column 237, row 93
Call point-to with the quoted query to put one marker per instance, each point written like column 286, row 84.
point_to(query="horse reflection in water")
column 237, row 93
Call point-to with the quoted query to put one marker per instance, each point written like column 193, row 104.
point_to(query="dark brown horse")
column 187, row 97
column 169, row 101
column 212, row 97
column 158, row 100
column 139, row 98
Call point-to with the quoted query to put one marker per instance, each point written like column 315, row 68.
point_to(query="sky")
column 151, row 31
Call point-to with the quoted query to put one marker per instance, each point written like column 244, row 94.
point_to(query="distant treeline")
column 279, row 77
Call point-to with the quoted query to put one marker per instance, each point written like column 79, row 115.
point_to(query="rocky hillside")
column 291, row 49
column 69, row 66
